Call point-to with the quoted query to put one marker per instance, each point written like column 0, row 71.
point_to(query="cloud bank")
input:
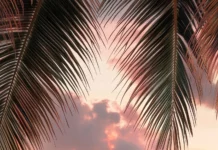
column 97, row 128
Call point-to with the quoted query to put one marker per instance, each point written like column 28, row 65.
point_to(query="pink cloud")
column 97, row 128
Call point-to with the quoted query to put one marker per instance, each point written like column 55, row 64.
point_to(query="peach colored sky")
column 101, row 125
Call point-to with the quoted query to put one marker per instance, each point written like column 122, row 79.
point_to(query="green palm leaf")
column 158, row 64
column 40, row 63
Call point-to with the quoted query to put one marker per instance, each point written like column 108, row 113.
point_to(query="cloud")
column 96, row 128
column 125, row 145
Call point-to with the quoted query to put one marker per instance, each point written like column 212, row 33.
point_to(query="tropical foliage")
column 163, row 42
column 41, row 43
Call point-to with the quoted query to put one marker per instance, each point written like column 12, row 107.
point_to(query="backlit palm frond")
column 206, row 34
column 207, row 40
column 53, row 40
column 153, row 37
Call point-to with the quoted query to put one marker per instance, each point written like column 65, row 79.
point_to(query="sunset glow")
column 111, row 136
column 205, row 133
column 108, row 74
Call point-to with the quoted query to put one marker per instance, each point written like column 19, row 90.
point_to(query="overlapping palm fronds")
column 158, row 64
column 42, row 45
column 207, row 34
column 207, row 41
column 8, row 14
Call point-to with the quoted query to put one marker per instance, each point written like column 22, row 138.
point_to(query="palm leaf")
column 207, row 41
column 158, row 65
column 8, row 11
column 206, row 34
column 40, row 64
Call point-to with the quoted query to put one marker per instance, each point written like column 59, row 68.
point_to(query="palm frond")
column 52, row 41
column 158, row 65
column 206, row 34
column 8, row 11
column 207, row 41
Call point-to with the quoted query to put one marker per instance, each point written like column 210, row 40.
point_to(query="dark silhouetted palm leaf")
column 159, row 64
column 42, row 45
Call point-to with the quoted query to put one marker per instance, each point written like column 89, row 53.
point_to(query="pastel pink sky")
column 102, row 125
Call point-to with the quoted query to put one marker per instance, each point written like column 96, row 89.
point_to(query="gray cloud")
column 125, row 145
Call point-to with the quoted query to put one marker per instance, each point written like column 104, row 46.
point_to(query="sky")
column 102, row 125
